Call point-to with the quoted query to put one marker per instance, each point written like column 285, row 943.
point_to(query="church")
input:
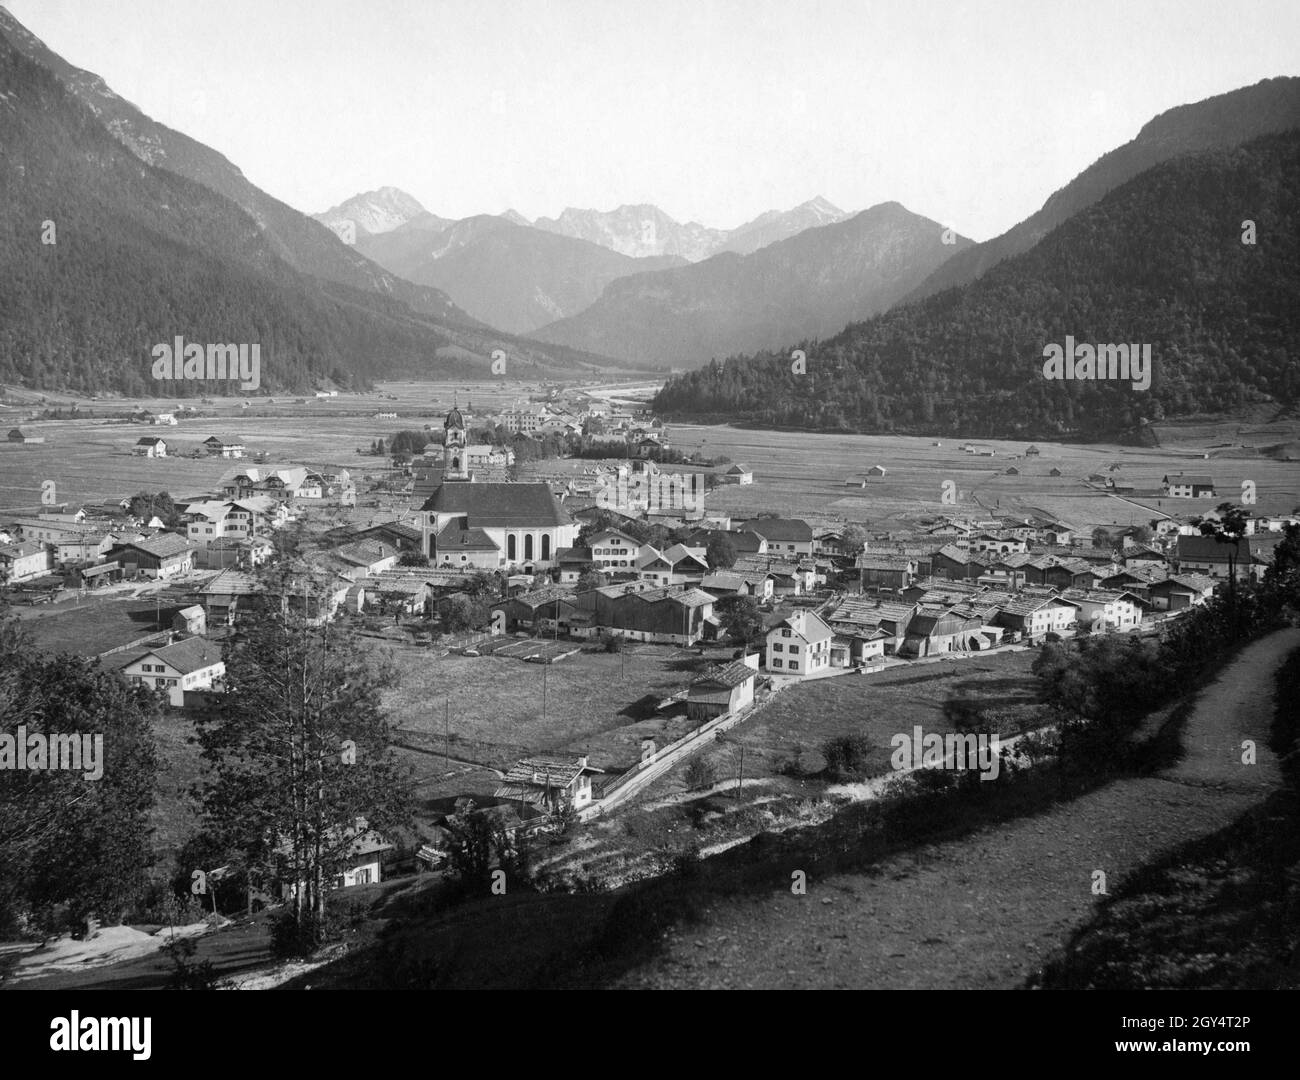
column 492, row 526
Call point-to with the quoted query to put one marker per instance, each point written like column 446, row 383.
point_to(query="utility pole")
column 446, row 728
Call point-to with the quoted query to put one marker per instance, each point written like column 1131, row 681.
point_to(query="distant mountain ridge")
column 144, row 253
column 512, row 276
column 376, row 212
column 1218, row 122
column 808, row 285
column 301, row 242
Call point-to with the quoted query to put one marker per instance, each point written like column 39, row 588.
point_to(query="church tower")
column 455, row 457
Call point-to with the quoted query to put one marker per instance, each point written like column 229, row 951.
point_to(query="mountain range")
column 520, row 276
column 806, row 286
column 1196, row 259
column 159, row 235
column 1216, row 123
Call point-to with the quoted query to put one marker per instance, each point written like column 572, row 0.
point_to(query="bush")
column 700, row 774
column 612, row 643
column 846, row 755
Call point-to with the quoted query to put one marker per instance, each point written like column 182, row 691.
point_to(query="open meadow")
column 807, row 475
column 500, row 708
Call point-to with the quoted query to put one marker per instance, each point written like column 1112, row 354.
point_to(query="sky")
column 971, row 112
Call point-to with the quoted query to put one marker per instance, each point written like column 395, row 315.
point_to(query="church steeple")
column 455, row 460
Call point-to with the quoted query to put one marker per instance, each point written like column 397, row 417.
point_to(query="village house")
column 878, row 626
column 881, row 571
column 162, row 556
column 876, row 470
column 150, row 446
column 549, row 783
column 615, row 550
column 758, row 584
column 788, row 578
column 79, row 550
column 1180, row 591
column 1207, row 555
column 571, row 563
column 723, row 690
column 1035, row 616
column 189, row 664
column 17, row 435
column 1119, row 611
column 799, row 645
column 676, row 615
column 537, row 612
column 217, row 447
column 784, row 536
column 1190, row 486
column 191, row 620
column 933, row 631
column 739, row 473
column 24, row 561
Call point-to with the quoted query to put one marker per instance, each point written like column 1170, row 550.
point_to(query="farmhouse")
column 16, row 435
column 677, row 615
column 220, row 448
column 1118, row 611
column 615, row 550
column 1180, row 591
column 24, row 561
column 881, row 571
column 739, row 473
column 191, row 664
column 150, row 446
column 799, row 645
column 161, row 556
column 755, row 583
column 1251, row 555
column 1188, row 487
column 549, row 783
column 537, row 611
column 784, row 536
column 933, row 631
column 723, row 690
column 876, row 470
column 1034, row 616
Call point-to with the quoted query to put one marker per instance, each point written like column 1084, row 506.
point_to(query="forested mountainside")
column 1160, row 261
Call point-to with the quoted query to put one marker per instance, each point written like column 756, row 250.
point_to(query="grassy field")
column 794, row 727
column 594, row 703
column 92, row 627
column 804, row 475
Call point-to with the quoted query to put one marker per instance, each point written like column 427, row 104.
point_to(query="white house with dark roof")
column 150, row 446
column 161, row 556
column 784, row 536
column 739, row 473
column 1189, row 486
column 799, row 646
column 191, row 664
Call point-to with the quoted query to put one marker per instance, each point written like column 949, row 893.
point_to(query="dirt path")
column 986, row 911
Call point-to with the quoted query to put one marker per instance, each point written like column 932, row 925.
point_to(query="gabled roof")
column 807, row 624
column 160, row 546
column 783, row 530
column 498, row 505
column 737, row 673
column 1195, row 479
column 149, row 440
column 187, row 656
